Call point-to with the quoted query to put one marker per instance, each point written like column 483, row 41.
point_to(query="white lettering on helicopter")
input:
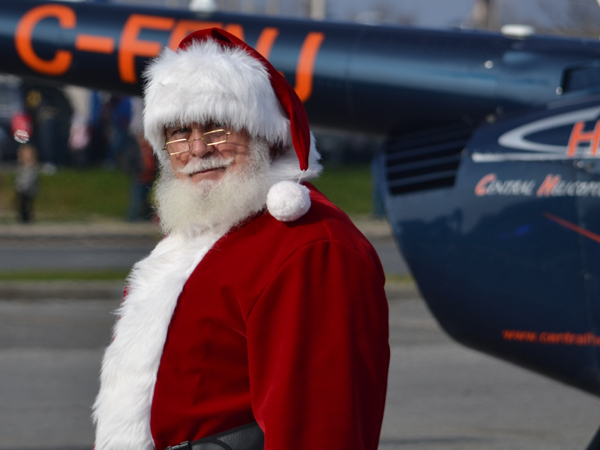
column 552, row 186
column 491, row 185
column 581, row 143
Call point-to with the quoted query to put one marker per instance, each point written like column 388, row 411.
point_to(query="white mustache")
column 201, row 165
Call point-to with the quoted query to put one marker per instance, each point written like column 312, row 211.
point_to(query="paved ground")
column 115, row 245
column 441, row 395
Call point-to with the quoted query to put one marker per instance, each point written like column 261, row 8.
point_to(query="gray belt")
column 246, row 437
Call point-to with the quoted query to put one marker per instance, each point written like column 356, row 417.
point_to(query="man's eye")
column 179, row 132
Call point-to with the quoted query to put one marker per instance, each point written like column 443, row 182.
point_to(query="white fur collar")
column 122, row 409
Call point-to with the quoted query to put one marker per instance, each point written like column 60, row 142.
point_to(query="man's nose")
column 199, row 148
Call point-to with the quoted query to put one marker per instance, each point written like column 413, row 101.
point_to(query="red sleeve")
column 319, row 353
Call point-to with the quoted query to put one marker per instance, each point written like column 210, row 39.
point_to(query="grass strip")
column 399, row 279
column 91, row 194
column 348, row 187
column 73, row 195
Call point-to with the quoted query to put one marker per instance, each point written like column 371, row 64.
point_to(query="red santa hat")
column 214, row 76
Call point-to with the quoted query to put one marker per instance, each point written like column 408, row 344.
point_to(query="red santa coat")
column 282, row 323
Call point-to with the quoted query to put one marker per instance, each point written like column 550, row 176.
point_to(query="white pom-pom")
column 288, row 201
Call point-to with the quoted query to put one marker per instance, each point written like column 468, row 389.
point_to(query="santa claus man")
column 260, row 320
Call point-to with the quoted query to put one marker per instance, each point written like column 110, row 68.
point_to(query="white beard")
column 186, row 207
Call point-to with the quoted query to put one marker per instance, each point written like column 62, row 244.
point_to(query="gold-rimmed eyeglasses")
column 213, row 137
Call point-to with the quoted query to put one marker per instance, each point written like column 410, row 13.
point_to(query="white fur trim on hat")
column 208, row 81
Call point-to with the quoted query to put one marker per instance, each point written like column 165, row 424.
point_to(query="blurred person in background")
column 99, row 128
column 51, row 112
column 119, row 138
column 141, row 166
column 26, row 181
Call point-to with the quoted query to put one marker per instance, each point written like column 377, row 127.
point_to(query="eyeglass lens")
column 210, row 138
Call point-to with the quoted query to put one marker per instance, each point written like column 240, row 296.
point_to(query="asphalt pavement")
column 441, row 395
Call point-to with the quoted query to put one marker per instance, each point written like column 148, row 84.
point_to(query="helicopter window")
column 579, row 78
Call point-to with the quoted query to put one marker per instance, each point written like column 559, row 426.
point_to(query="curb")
column 96, row 230
column 402, row 291
column 373, row 229
column 42, row 290
column 86, row 290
